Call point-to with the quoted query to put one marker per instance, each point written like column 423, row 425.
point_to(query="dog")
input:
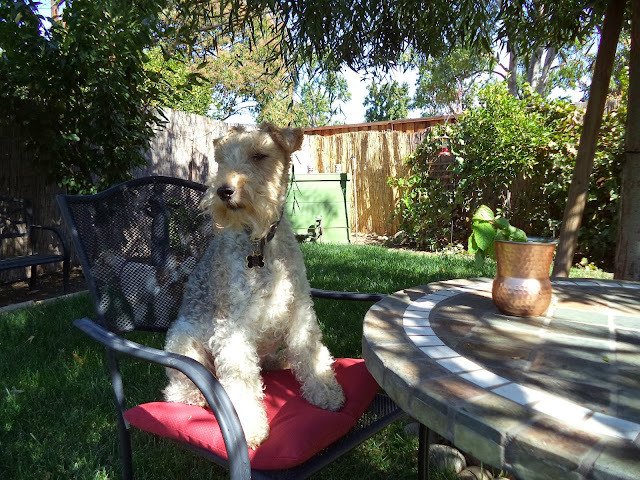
column 247, row 304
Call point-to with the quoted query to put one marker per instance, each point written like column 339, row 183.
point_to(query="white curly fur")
column 237, row 320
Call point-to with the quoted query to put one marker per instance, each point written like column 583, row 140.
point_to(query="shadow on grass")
column 57, row 415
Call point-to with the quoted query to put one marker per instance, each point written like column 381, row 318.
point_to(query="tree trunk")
column 533, row 69
column 628, row 248
column 579, row 188
column 512, row 79
column 544, row 72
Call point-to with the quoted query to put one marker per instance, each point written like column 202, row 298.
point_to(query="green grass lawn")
column 56, row 414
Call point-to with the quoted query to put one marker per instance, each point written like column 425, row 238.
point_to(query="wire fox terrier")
column 247, row 305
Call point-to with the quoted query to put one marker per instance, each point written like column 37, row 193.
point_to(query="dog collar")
column 256, row 259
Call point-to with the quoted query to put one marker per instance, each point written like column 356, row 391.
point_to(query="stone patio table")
column 551, row 397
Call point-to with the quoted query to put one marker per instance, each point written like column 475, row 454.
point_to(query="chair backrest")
column 137, row 243
column 15, row 217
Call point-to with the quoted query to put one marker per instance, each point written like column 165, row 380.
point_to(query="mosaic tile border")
column 417, row 327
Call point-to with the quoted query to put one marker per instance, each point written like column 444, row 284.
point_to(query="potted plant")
column 522, row 287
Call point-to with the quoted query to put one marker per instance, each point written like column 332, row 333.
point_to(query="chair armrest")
column 334, row 295
column 58, row 233
column 208, row 384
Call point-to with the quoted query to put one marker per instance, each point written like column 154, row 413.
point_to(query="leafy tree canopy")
column 243, row 67
column 451, row 42
column 446, row 83
column 320, row 94
column 577, row 62
column 79, row 91
column 179, row 84
column 373, row 34
column 389, row 101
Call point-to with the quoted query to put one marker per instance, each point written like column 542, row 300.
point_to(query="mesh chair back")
column 137, row 243
column 15, row 217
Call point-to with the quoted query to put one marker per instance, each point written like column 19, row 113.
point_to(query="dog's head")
column 249, row 190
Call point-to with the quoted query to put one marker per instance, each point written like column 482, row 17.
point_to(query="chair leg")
column 125, row 450
column 423, row 453
column 123, row 426
column 34, row 276
column 65, row 276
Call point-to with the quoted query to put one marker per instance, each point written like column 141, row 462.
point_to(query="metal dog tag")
column 255, row 261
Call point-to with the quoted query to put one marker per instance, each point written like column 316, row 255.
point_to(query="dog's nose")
column 225, row 193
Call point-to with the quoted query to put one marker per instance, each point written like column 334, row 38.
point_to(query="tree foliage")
column 389, row 101
column 79, row 93
column 375, row 34
column 241, row 64
column 320, row 95
column 446, row 84
column 576, row 67
column 538, row 53
column 179, row 84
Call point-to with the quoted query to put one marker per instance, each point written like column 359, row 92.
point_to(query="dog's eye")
column 256, row 157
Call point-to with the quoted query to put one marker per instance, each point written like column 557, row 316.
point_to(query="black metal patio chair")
column 137, row 243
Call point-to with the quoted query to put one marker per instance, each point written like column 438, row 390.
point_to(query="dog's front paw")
column 327, row 395
column 183, row 391
column 255, row 426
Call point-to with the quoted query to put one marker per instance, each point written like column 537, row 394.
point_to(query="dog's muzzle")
column 228, row 196
column 225, row 193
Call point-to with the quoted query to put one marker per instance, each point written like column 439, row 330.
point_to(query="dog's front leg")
column 311, row 361
column 237, row 367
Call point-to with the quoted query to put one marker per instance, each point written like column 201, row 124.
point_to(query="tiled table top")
column 551, row 397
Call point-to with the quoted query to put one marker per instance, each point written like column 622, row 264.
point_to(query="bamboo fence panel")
column 371, row 158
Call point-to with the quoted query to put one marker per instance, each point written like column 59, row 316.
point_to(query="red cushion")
column 298, row 430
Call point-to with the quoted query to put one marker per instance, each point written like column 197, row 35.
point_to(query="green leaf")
column 483, row 213
column 484, row 234
column 472, row 245
column 502, row 222
column 491, row 251
column 519, row 236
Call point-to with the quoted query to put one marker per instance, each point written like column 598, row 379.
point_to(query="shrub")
column 517, row 157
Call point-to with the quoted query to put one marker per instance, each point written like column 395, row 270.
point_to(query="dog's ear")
column 234, row 129
column 289, row 139
column 237, row 128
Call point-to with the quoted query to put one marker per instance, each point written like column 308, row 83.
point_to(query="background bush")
column 517, row 156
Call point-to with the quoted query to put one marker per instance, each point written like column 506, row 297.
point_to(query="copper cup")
column 522, row 287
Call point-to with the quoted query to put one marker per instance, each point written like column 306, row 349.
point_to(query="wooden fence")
column 183, row 147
